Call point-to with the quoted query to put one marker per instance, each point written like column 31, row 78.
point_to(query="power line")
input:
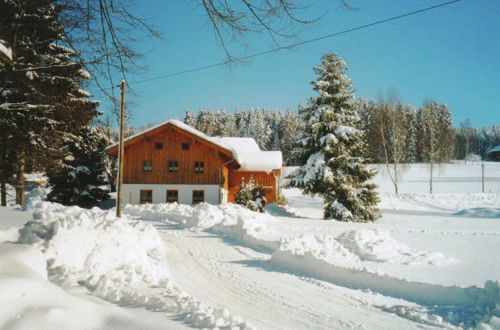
column 290, row 46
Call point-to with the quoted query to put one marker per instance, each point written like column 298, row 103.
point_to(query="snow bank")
column 30, row 301
column 338, row 261
column 234, row 221
column 119, row 260
column 448, row 202
column 377, row 246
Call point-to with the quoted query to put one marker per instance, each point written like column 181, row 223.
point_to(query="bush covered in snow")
column 251, row 195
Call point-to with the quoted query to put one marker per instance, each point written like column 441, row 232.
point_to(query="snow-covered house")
column 173, row 162
column 494, row 154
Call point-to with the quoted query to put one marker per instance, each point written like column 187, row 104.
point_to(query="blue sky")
column 450, row 54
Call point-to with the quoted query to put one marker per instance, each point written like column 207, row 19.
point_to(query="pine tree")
column 225, row 124
column 190, row 119
column 41, row 97
column 205, row 122
column 258, row 128
column 333, row 148
column 411, row 141
column 79, row 177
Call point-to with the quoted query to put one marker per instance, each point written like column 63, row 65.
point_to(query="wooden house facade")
column 173, row 162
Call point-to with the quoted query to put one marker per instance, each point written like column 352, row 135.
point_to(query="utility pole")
column 121, row 153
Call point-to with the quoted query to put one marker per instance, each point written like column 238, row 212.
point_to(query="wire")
column 290, row 46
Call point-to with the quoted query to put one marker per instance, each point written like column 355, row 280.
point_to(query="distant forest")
column 392, row 131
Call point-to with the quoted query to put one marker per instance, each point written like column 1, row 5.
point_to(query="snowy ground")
column 432, row 261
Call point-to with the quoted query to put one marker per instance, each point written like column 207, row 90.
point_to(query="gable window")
column 198, row 196
column 159, row 146
column 199, row 167
column 173, row 166
column 172, row 196
column 146, row 196
column 185, row 146
column 147, row 166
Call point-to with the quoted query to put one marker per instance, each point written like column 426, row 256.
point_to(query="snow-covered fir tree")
column 225, row 123
column 205, row 122
column 333, row 147
column 190, row 119
column 80, row 178
column 41, row 98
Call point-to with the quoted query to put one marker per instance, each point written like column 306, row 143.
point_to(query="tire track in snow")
column 220, row 274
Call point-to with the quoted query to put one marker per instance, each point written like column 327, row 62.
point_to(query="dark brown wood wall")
column 172, row 140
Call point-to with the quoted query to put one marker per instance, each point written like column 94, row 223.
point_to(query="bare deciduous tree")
column 390, row 127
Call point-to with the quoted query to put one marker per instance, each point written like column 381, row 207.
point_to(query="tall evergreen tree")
column 79, row 178
column 41, row 97
column 333, row 148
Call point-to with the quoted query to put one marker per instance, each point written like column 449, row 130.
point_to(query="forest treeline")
column 394, row 132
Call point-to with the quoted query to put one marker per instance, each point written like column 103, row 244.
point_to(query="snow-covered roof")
column 495, row 149
column 244, row 150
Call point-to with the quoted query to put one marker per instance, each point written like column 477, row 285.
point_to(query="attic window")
column 185, row 146
column 159, row 146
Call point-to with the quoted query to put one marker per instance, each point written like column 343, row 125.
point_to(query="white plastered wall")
column 131, row 192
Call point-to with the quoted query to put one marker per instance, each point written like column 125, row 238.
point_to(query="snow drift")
column 119, row 260
column 233, row 221
column 336, row 260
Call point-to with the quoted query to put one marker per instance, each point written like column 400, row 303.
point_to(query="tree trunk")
column 430, row 181
column 3, row 177
column 395, row 181
column 21, row 160
column 3, row 192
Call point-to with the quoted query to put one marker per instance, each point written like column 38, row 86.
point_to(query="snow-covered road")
column 224, row 274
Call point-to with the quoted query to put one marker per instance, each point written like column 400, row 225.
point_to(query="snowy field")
column 431, row 262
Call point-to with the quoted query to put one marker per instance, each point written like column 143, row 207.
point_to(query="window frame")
column 185, row 146
column 196, row 199
column 144, row 162
column 173, row 166
column 144, row 201
column 199, row 167
column 176, row 196
column 158, row 145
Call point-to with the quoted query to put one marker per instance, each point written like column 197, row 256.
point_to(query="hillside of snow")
column 430, row 262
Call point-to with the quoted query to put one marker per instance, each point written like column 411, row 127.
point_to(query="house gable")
column 172, row 156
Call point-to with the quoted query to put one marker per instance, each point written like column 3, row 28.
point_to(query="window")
column 185, row 146
column 147, row 166
column 198, row 196
column 199, row 167
column 146, row 196
column 173, row 166
column 172, row 196
column 159, row 146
